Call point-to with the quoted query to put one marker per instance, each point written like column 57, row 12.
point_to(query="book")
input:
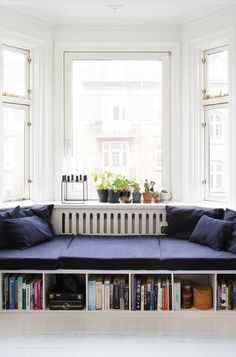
column 177, row 295
column 99, row 292
column 159, row 302
column 6, row 292
column 92, row 293
column 19, row 291
column 116, row 292
column 126, row 296
column 142, row 296
column 12, row 291
column 107, row 282
column 138, row 293
column 122, row 298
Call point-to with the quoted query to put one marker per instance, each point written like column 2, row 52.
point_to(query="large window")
column 216, row 124
column 115, row 117
column 15, row 123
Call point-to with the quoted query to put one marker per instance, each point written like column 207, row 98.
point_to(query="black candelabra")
column 74, row 188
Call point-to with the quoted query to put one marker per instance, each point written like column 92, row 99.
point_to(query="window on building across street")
column 114, row 113
column 16, row 102
column 216, row 124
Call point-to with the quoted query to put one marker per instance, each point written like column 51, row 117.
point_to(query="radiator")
column 100, row 221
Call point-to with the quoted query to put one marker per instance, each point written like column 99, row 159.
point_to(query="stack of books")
column 108, row 292
column 22, row 292
column 151, row 293
column 226, row 292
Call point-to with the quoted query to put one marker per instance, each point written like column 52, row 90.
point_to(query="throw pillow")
column 12, row 213
column 212, row 232
column 182, row 220
column 27, row 231
column 44, row 212
column 230, row 216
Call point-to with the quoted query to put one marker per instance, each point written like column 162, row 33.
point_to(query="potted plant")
column 165, row 195
column 136, row 192
column 101, row 181
column 125, row 194
column 156, row 196
column 115, row 187
column 148, row 191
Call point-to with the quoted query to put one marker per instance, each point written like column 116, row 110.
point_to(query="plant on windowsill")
column 165, row 195
column 148, row 191
column 125, row 194
column 116, row 183
column 136, row 191
column 101, row 181
column 156, row 196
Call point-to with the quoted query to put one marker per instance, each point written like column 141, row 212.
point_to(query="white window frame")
column 23, row 103
column 208, row 104
column 154, row 55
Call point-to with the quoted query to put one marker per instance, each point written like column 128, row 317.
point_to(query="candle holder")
column 74, row 188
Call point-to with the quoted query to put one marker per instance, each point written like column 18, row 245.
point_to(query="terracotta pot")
column 157, row 199
column 147, row 197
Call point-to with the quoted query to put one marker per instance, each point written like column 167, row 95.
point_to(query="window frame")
column 69, row 56
column 206, row 105
column 22, row 103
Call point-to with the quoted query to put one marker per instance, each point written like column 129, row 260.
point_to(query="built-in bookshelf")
column 121, row 291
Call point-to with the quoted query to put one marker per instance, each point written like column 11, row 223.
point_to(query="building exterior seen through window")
column 117, row 117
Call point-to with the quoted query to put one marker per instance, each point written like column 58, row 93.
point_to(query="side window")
column 216, row 124
column 16, row 102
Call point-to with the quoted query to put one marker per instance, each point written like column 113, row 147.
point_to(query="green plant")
column 149, row 186
column 117, row 183
column 135, row 185
column 156, row 194
column 102, row 180
column 164, row 190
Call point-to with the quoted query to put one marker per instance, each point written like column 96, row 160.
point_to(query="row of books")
column 108, row 292
column 151, row 293
column 22, row 292
column 226, row 293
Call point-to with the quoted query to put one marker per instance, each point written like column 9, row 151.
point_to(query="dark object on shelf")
column 102, row 195
column 113, row 197
column 70, row 283
column 74, row 189
column 202, row 297
column 66, row 305
column 186, row 299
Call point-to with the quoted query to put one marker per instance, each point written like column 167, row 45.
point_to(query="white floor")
column 114, row 345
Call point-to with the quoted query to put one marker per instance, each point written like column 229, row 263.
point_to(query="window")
column 15, row 136
column 216, row 124
column 114, row 113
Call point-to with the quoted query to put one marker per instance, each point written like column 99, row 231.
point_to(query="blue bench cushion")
column 181, row 254
column 107, row 252
column 43, row 256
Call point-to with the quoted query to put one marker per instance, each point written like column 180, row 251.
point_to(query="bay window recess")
column 117, row 115
column 215, row 124
column 15, row 124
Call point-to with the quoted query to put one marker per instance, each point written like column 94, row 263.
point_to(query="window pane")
column 218, row 73
column 117, row 117
column 14, row 152
column 218, row 152
column 14, row 77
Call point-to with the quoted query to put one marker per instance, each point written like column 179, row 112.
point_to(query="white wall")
column 23, row 31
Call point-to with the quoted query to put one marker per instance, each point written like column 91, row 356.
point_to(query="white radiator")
column 110, row 221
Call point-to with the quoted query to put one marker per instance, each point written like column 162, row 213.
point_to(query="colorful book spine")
column 92, row 294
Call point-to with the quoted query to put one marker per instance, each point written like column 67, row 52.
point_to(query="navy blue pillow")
column 182, row 220
column 44, row 212
column 27, row 231
column 230, row 216
column 212, row 232
column 12, row 213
